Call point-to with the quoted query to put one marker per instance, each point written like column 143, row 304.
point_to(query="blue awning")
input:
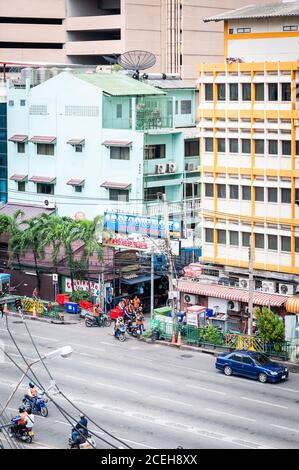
column 138, row 279
column 4, row 277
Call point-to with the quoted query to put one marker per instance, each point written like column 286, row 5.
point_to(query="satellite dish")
column 110, row 59
column 137, row 60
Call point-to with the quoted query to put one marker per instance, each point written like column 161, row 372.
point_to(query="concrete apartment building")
column 83, row 31
column 248, row 121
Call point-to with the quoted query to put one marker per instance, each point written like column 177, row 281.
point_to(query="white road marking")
column 152, row 378
column 46, row 338
column 115, row 386
column 229, row 414
column 75, row 378
column 284, row 427
column 206, row 389
column 87, row 347
column 84, row 354
column 100, row 366
column 169, row 399
column 288, row 389
column 265, row 403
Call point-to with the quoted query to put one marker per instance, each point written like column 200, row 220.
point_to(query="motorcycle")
column 82, row 442
column 25, row 435
column 90, row 320
column 39, row 407
column 121, row 333
column 134, row 330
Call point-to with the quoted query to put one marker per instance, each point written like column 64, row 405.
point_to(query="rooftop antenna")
column 136, row 60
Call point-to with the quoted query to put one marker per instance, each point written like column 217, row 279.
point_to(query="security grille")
column 82, row 111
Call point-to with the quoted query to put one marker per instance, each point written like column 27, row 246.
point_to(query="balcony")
column 93, row 23
column 154, row 113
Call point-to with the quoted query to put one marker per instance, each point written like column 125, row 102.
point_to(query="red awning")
column 42, row 139
column 231, row 293
column 43, row 179
column 117, row 143
column 76, row 182
column 115, row 185
column 76, row 141
column 18, row 138
column 19, row 178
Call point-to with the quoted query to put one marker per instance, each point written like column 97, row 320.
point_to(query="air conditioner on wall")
column 286, row 289
column 190, row 166
column 233, row 306
column 244, row 283
column 268, row 286
column 171, row 167
column 190, row 299
column 49, row 203
column 160, row 168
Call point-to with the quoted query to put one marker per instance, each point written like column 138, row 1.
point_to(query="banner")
column 82, row 285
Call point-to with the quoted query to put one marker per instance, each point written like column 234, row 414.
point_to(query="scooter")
column 134, row 330
column 90, row 320
column 25, row 436
column 121, row 333
column 39, row 407
column 83, row 442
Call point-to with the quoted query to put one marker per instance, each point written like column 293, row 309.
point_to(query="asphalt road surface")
column 148, row 395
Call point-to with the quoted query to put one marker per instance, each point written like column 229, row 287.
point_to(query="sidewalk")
column 69, row 319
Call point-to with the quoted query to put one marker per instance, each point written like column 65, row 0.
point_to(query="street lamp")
column 64, row 352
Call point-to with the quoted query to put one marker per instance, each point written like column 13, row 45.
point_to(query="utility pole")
column 251, row 286
column 152, row 280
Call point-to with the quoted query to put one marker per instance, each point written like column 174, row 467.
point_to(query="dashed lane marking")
column 265, row 403
column 229, row 414
column 169, row 399
column 285, row 427
column 206, row 389
column 152, row 378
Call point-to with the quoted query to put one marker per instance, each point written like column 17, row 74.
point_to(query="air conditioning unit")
column 190, row 299
column 233, row 306
column 268, row 286
column 244, row 283
column 171, row 167
column 190, row 232
column 286, row 289
column 160, row 168
column 49, row 203
column 190, row 167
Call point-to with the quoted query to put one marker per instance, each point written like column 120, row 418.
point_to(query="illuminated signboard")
column 135, row 242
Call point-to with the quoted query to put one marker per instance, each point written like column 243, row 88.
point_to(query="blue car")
column 251, row 364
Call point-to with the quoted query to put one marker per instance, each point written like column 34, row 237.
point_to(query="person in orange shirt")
column 97, row 313
column 136, row 302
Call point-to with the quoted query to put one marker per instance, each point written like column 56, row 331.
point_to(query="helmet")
column 31, row 384
column 29, row 410
column 21, row 409
column 82, row 415
column 97, row 305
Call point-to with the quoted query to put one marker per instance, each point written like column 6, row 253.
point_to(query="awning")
column 19, row 178
column 42, row 139
column 76, row 141
column 137, row 279
column 117, row 143
column 292, row 305
column 18, row 138
column 43, row 179
column 115, row 185
column 231, row 293
column 76, row 182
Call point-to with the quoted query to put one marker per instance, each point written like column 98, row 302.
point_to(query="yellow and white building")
column 249, row 129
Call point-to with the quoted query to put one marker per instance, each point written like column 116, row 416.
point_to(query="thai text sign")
column 143, row 225
column 82, row 285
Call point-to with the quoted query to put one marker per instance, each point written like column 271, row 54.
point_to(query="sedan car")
column 251, row 364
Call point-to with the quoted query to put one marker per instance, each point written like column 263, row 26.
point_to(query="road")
column 149, row 395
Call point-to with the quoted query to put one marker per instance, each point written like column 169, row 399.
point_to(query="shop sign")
column 82, row 285
column 192, row 319
column 137, row 242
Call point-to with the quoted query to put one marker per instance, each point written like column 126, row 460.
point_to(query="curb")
column 43, row 320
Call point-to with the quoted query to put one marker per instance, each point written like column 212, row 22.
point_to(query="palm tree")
column 11, row 225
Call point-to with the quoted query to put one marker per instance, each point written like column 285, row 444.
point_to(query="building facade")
column 248, row 119
column 96, row 142
column 84, row 31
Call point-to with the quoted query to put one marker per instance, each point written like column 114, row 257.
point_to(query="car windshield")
column 262, row 359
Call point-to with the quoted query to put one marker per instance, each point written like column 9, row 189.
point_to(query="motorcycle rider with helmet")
column 20, row 421
column 98, row 313
column 31, row 395
column 80, row 431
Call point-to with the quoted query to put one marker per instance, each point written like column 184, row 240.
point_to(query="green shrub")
column 270, row 327
column 80, row 294
column 212, row 335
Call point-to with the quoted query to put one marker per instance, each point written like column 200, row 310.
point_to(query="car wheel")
column 262, row 377
column 227, row 370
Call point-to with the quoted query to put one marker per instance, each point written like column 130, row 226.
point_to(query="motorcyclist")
column 139, row 320
column 98, row 313
column 20, row 421
column 80, row 431
column 31, row 394
column 118, row 323
column 29, row 420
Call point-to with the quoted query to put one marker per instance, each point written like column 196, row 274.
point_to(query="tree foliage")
column 270, row 326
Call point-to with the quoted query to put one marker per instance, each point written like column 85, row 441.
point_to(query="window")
column 119, row 195
column 246, row 193
column 22, row 102
column 246, row 91
column 78, row 189
column 209, row 190
column 176, row 107
column 233, row 145
column 78, row 148
column 290, row 28
column 259, row 240
column 245, row 239
column 234, row 191
column 286, row 147
column 209, row 235
column 209, row 142
column 297, row 245
column 259, row 145
column 272, row 194
column 231, row 31
column 297, row 147
column 221, row 235
column 119, row 111
column 45, row 149
column 234, row 238
column 119, row 153
column 273, row 147
column 221, row 92
column 186, row 107
column 259, row 194
column 192, row 148
column 246, row 146
column 209, row 92
column 297, row 194
column 152, row 152
column 247, row 360
column 286, row 196
column 221, row 191
column 272, row 242
column 21, row 147
column 273, row 91
column 286, row 92
column 243, row 30
column 233, row 92
column 43, row 188
column 259, row 92
column 11, row 103
column 21, row 186
column 221, row 145
column 192, row 190
column 151, row 194
column 285, row 243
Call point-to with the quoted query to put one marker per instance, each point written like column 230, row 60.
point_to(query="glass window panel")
column 233, row 92
column 234, row 238
column 272, row 242
column 233, row 145
column 209, row 144
column 273, row 147
column 259, row 146
column 286, row 147
column 246, row 193
column 286, row 92
column 259, row 193
column 246, row 146
column 221, row 237
column 221, row 92
column 286, row 195
column 285, row 243
column 209, row 235
column 221, row 191
column 259, row 92
column 272, row 194
column 246, row 91
column 259, row 240
column 221, row 145
column 246, row 239
column 209, row 94
column 209, row 189
column 273, row 91
column 234, row 191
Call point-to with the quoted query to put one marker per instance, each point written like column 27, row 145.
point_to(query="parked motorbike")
column 121, row 333
column 82, row 442
column 24, row 435
column 90, row 320
column 134, row 330
column 39, row 407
